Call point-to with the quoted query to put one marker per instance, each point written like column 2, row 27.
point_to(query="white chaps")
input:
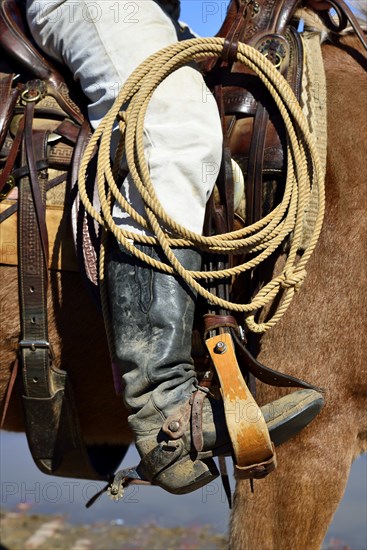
column 102, row 42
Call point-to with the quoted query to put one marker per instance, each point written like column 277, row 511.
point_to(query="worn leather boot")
column 152, row 317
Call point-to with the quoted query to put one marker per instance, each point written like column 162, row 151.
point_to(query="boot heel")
column 186, row 475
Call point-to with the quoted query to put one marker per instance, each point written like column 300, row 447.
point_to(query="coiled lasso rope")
column 260, row 239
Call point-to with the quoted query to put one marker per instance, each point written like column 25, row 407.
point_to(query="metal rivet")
column 174, row 426
column 220, row 347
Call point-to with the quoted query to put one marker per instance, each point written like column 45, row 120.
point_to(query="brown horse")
column 322, row 339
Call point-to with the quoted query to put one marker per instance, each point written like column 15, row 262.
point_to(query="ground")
column 21, row 531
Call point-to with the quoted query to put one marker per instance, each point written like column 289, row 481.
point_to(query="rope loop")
column 257, row 241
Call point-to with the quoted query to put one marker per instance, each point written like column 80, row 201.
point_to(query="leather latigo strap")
column 6, row 175
column 265, row 374
column 233, row 36
column 37, row 141
column 252, row 447
column 52, row 427
column 213, row 321
column 34, row 346
column 223, row 212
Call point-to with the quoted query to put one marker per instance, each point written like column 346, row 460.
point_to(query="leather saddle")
column 65, row 103
column 20, row 51
column 253, row 130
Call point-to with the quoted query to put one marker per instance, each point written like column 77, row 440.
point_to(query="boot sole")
column 186, row 475
column 285, row 426
column 281, row 424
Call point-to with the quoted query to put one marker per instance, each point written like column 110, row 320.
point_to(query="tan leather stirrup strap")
column 253, row 449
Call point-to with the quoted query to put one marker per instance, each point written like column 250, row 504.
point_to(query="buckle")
column 9, row 186
column 33, row 345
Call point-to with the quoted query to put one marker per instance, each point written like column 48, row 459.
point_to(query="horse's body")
column 322, row 339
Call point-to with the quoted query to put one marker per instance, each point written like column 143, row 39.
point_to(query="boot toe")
column 287, row 416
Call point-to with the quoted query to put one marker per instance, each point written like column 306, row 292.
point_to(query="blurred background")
column 25, row 489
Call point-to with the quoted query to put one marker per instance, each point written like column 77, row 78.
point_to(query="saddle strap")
column 34, row 346
column 6, row 175
column 265, row 374
column 52, row 427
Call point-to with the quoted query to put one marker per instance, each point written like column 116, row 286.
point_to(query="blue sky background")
column 204, row 16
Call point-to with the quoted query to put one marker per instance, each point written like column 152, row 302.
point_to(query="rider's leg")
column 102, row 45
column 152, row 316
column 152, row 312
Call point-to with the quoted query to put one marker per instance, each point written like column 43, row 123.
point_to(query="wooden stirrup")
column 253, row 449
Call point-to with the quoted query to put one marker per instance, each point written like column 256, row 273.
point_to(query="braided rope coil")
column 260, row 239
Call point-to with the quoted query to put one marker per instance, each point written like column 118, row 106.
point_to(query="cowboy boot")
column 152, row 317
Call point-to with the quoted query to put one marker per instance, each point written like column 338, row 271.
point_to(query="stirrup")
column 253, row 449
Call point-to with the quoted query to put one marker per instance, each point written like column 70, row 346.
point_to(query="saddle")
column 29, row 147
column 251, row 124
